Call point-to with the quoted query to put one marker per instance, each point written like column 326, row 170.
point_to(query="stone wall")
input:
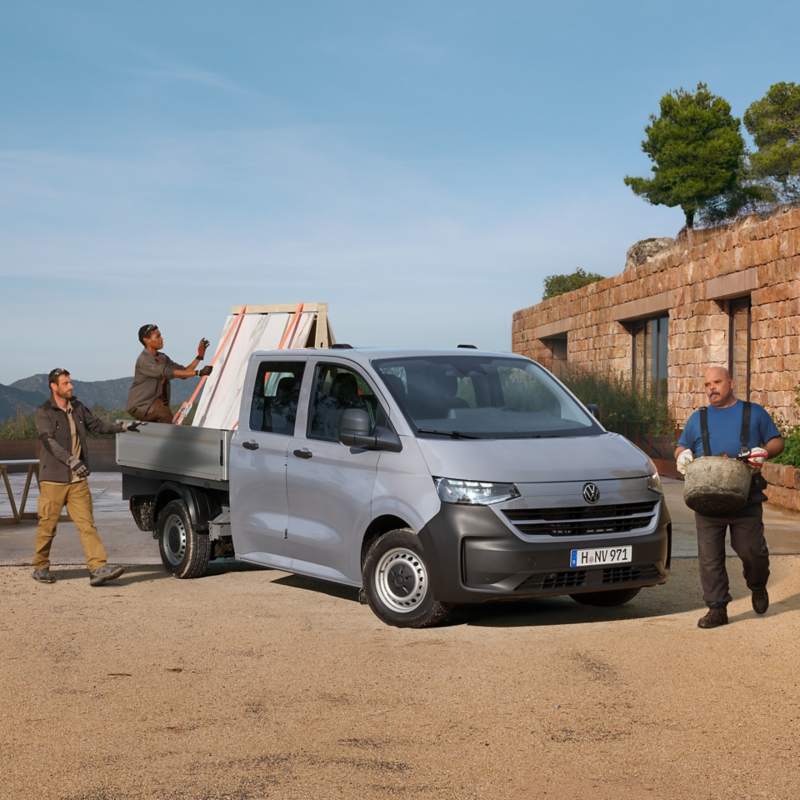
column 784, row 485
column 692, row 282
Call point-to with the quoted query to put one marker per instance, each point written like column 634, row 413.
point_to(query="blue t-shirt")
column 725, row 430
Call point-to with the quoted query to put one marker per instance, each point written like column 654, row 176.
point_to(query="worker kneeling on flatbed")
column 742, row 430
column 149, row 395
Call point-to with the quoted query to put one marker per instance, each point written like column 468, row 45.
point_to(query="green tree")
column 554, row 285
column 22, row 426
column 774, row 124
column 751, row 194
column 696, row 148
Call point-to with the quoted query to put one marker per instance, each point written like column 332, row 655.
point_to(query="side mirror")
column 594, row 409
column 355, row 430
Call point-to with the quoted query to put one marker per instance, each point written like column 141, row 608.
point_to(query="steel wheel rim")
column 174, row 540
column 401, row 580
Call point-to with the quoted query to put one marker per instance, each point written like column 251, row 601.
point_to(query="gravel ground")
column 251, row 683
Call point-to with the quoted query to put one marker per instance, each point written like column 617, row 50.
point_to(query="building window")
column 739, row 345
column 650, row 355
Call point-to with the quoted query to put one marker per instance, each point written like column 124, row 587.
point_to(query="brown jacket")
column 53, row 427
column 150, row 375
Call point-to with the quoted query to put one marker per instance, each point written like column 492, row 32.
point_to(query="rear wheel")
column 396, row 582
column 184, row 552
column 613, row 597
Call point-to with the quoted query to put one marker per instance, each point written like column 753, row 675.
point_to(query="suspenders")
column 744, row 437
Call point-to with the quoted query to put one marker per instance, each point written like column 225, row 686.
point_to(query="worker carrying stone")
column 731, row 427
column 62, row 422
column 149, row 395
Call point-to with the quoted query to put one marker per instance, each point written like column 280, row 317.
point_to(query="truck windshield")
column 483, row 397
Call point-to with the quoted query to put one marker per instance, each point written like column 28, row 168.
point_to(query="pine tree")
column 696, row 148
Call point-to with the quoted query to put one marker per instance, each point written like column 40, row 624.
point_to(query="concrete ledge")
column 551, row 329
column 737, row 284
column 646, row 307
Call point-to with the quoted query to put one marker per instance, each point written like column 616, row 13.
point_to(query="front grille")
column 555, row 580
column 582, row 520
column 645, row 572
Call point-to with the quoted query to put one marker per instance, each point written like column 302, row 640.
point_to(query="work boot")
column 760, row 599
column 717, row 615
column 104, row 574
column 45, row 576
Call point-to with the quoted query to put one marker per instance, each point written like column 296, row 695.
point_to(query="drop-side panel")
column 178, row 450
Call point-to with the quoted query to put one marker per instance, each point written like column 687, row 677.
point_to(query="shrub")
column 621, row 401
column 791, row 452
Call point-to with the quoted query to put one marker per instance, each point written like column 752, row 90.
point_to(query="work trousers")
column 747, row 541
column 158, row 412
column 78, row 500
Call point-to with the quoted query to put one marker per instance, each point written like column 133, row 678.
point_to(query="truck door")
column 330, row 486
column 259, row 505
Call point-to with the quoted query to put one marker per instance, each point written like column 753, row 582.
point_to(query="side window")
column 335, row 390
column 275, row 395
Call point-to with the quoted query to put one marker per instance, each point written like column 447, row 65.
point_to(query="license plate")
column 600, row 556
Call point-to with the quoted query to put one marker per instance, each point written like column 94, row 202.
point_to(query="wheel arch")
column 201, row 506
column 377, row 528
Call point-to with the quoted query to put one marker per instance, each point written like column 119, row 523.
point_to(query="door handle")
column 250, row 445
column 304, row 453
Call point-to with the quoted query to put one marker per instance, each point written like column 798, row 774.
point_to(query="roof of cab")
column 367, row 354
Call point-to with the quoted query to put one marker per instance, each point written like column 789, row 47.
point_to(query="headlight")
column 654, row 483
column 474, row 493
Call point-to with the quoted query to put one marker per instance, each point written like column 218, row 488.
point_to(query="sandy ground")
column 255, row 684
column 251, row 683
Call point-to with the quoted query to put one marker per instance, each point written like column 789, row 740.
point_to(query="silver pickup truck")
column 425, row 478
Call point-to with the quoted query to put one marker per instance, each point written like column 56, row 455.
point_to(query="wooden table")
column 33, row 469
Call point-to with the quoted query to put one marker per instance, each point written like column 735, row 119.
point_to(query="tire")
column 396, row 582
column 613, row 597
column 184, row 552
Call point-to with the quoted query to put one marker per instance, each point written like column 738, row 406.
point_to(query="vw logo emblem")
column 591, row 494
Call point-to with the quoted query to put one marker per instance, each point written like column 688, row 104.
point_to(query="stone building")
column 727, row 296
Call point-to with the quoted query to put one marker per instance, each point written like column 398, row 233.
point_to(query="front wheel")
column 396, row 582
column 613, row 597
column 184, row 552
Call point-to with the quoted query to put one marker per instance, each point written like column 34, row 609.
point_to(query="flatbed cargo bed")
column 198, row 454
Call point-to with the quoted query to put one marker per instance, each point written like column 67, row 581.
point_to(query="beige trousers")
column 78, row 500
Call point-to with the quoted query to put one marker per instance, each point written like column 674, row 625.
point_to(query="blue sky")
column 420, row 166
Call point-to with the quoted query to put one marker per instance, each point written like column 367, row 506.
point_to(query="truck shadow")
column 680, row 595
column 540, row 612
column 319, row 586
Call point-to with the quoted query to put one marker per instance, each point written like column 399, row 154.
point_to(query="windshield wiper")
column 451, row 434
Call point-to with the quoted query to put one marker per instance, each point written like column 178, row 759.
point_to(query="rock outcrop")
column 647, row 248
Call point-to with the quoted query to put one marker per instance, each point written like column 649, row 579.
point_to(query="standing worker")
column 728, row 426
column 148, row 398
column 62, row 422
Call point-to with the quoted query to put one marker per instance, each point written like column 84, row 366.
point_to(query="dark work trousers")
column 748, row 542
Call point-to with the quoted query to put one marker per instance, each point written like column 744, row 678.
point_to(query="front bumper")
column 473, row 557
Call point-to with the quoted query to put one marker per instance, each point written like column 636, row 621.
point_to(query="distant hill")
column 30, row 392
column 12, row 398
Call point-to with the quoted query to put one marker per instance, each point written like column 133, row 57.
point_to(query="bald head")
column 719, row 387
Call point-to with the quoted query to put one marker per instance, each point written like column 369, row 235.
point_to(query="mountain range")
column 31, row 392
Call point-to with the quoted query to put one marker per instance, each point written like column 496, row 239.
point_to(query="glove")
column 78, row 467
column 201, row 349
column 755, row 458
column 684, row 459
column 132, row 426
column 205, row 371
